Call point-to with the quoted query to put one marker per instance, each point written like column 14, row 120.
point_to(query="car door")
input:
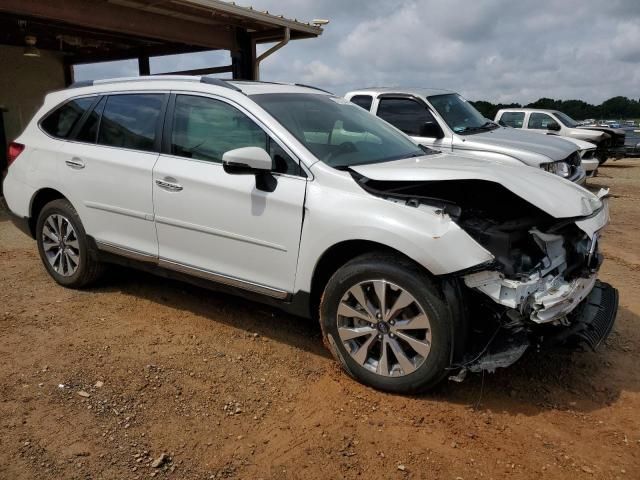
column 411, row 115
column 108, row 169
column 218, row 225
column 542, row 123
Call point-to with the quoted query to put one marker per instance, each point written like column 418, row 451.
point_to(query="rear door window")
column 131, row 121
column 405, row 114
column 512, row 119
column 61, row 121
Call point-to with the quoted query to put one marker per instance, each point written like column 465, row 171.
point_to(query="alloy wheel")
column 60, row 244
column 384, row 328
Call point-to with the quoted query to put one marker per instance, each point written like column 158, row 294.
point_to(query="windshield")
column 459, row 114
column 336, row 131
column 566, row 119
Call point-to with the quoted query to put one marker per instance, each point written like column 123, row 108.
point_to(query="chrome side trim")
column 119, row 210
column 219, row 233
column 223, row 279
column 126, row 252
column 193, row 271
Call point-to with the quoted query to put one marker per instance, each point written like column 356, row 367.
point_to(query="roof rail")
column 219, row 82
column 155, row 78
column 313, row 88
column 81, row 83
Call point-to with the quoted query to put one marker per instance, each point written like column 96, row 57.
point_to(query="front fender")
column 423, row 234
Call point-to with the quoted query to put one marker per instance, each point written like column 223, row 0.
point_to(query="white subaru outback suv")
column 419, row 265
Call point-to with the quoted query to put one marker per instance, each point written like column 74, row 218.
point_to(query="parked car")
column 632, row 142
column 418, row 264
column 609, row 141
column 445, row 120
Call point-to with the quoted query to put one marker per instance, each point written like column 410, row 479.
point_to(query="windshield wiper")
column 485, row 126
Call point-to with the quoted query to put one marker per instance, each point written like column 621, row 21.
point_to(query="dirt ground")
column 101, row 383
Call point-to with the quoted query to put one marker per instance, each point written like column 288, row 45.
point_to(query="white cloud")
column 499, row 50
column 319, row 72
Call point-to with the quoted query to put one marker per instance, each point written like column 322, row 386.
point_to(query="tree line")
column 613, row 108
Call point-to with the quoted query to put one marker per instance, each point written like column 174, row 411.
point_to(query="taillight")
column 14, row 150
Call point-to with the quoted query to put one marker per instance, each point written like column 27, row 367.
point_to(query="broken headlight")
column 559, row 168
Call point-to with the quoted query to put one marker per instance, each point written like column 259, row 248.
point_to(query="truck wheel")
column 387, row 324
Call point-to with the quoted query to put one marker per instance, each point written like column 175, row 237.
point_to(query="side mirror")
column 251, row 161
column 431, row 130
column 554, row 127
column 247, row 161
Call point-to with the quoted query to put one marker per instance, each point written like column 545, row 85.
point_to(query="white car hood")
column 550, row 193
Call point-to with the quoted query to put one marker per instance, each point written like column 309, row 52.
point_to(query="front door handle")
column 75, row 162
column 169, row 186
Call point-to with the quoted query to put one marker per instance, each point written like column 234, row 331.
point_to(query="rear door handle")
column 169, row 186
column 75, row 162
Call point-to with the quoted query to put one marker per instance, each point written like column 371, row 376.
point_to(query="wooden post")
column 143, row 65
column 242, row 58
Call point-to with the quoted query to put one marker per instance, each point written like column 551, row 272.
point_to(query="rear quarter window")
column 512, row 119
column 363, row 101
column 60, row 122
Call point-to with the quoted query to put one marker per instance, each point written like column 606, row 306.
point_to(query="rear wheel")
column 602, row 156
column 387, row 324
column 63, row 246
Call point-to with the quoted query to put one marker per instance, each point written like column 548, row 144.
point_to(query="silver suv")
column 418, row 264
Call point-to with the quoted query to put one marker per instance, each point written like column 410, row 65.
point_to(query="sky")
column 496, row 50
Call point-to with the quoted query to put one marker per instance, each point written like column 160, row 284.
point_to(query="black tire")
column 414, row 280
column 602, row 157
column 88, row 268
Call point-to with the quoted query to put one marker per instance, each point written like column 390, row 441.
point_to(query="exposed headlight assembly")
column 559, row 168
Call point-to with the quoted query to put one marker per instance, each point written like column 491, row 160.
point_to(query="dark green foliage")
column 614, row 108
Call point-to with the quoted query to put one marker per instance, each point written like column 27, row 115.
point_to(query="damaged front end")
column 541, row 289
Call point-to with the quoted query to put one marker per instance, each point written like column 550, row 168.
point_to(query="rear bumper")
column 22, row 223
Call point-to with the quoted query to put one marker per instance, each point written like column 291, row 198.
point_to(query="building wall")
column 23, row 83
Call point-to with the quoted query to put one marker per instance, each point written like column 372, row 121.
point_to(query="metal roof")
column 217, row 12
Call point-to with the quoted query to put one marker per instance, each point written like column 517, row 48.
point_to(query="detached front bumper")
column 589, row 324
column 592, row 322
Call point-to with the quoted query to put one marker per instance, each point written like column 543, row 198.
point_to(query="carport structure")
column 41, row 41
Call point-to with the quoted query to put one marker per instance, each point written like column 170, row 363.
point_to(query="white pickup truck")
column 609, row 141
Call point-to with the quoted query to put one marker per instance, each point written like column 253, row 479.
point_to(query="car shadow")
column 552, row 379
column 237, row 312
column 617, row 165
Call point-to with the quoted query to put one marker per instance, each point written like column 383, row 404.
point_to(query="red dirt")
column 231, row 389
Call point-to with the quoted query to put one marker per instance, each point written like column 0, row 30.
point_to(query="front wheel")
column 387, row 324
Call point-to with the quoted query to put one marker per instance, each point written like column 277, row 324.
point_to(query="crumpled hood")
column 558, row 197
column 519, row 144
